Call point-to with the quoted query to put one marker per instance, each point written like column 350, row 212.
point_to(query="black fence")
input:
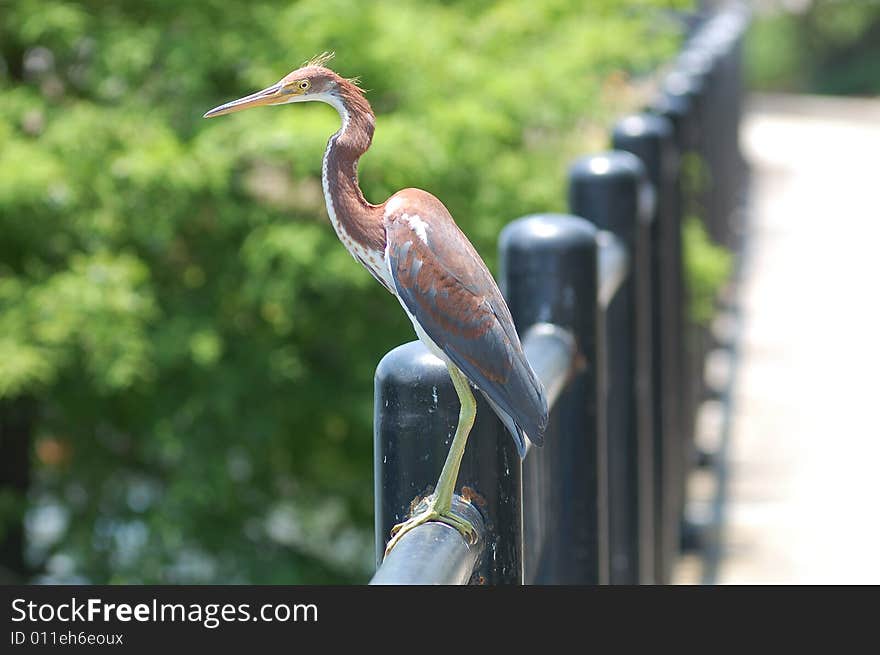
column 600, row 298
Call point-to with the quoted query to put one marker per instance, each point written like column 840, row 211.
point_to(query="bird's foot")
column 431, row 513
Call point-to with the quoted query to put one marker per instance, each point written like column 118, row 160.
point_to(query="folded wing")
column 443, row 283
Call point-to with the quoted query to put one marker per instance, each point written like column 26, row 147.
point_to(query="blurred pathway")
column 804, row 490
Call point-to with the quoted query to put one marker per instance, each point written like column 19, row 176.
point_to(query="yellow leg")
column 440, row 502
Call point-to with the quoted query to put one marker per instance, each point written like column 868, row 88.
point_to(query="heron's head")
column 312, row 81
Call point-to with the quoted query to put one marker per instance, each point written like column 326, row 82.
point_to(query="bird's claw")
column 431, row 514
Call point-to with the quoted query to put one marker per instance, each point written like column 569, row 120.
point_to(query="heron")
column 413, row 247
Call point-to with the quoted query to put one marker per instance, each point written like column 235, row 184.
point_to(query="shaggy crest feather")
column 320, row 60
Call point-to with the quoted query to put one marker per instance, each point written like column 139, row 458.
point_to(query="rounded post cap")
column 641, row 127
column 651, row 138
column 547, row 231
column 674, row 107
column 600, row 184
column 722, row 31
column 610, row 167
column 699, row 62
column 410, row 363
column 682, row 83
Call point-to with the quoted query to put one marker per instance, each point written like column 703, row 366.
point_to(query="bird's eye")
column 304, row 85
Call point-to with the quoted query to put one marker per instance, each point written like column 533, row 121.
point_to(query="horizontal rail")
column 550, row 350
column 434, row 553
column 613, row 266
column 437, row 554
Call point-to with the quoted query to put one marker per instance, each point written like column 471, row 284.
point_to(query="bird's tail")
column 529, row 422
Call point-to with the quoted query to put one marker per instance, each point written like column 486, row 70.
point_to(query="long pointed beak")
column 265, row 97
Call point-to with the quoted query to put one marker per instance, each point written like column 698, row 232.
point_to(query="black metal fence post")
column 550, row 274
column 650, row 138
column 611, row 190
column 416, row 414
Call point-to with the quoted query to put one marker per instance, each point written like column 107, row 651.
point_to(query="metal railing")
column 600, row 297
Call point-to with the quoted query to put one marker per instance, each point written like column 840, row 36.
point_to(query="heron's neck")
column 352, row 216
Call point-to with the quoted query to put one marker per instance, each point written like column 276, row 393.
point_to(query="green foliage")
column 200, row 345
column 707, row 268
column 707, row 265
column 827, row 46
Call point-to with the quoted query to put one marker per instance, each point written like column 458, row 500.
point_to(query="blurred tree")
column 817, row 46
column 199, row 345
